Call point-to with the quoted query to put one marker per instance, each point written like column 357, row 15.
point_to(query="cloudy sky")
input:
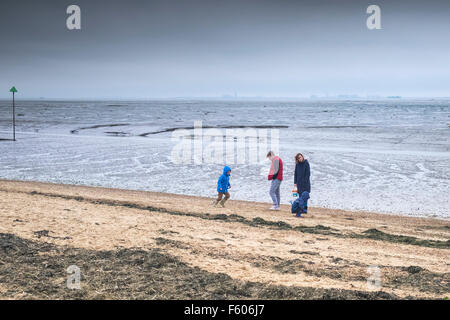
column 192, row 48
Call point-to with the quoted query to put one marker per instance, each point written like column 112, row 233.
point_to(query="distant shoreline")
column 239, row 99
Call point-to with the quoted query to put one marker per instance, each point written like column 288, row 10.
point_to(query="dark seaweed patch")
column 444, row 228
column 319, row 229
column 162, row 231
column 277, row 224
column 413, row 269
column 40, row 272
column 173, row 243
column 380, row 235
column 312, row 253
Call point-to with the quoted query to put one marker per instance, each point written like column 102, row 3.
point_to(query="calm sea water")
column 385, row 156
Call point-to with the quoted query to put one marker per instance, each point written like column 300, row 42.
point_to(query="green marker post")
column 14, row 90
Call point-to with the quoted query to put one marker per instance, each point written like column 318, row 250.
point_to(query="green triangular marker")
column 13, row 89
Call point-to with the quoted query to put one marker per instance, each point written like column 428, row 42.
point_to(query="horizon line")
column 228, row 98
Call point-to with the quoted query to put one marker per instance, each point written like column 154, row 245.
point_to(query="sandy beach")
column 146, row 245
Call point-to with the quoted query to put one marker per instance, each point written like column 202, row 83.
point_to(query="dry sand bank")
column 134, row 244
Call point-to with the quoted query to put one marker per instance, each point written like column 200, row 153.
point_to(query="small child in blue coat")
column 300, row 205
column 223, row 184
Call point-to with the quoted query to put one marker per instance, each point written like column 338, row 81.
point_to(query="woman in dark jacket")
column 302, row 173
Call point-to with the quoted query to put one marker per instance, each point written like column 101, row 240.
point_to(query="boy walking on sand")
column 276, row 175
column 223, row 184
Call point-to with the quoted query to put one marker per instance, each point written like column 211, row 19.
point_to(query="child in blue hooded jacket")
column 223, row 184
column 300, row 205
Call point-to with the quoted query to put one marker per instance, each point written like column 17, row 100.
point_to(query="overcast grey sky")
column 172, row 48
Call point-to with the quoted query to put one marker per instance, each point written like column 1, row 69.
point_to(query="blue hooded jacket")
column 224, row 181
column 300, row 205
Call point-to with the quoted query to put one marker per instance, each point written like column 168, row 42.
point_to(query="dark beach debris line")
column 312, row 253
column 41, row 273
column 255, row 222
column 376, row 234
column 46, row 233
column 121, row 134
column 373, row 234
column 442, row 228
column 75, row 131
column 118, row 133
column 336, row 127
column 162, row 231
column 216, row 127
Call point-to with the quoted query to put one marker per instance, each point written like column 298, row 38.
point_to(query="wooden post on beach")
column 14, row 90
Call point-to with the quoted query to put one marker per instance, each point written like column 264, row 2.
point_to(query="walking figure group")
column 302, row 184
